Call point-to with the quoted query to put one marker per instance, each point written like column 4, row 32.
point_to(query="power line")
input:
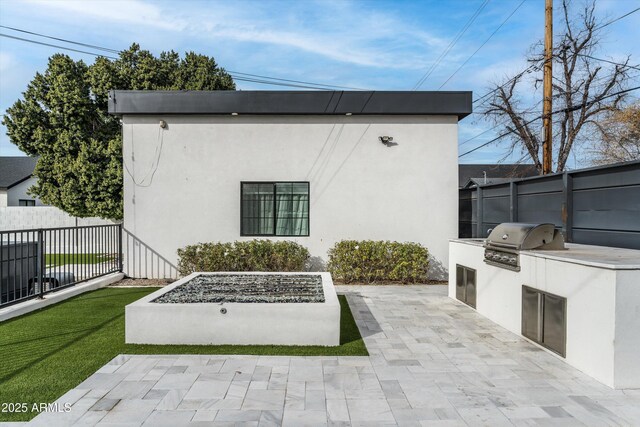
column 482, row 45
column 56, row 46
column 618, row 18
column 531, row 108
column 61, row 40
column 450, row 46
column 295, row 81
column 531, row 67
column 562, row 110
column 635, row 67
column 259, row 78
column 527, row 70
column 243, row 79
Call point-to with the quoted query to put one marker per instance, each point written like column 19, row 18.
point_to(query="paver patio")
column 432, row 362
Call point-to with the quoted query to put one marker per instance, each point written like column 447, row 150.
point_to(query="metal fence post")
column 120, row 256
column 567, row 206
column 40, row 263
column 513, row 202
column 479, row 219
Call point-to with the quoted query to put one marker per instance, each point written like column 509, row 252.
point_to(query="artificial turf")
column 63, row 259
column 48, row 352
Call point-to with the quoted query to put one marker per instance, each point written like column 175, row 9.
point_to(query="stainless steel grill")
column 503, row 246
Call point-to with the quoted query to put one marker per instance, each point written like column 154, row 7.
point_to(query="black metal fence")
column 38, row 261
column 599, row 206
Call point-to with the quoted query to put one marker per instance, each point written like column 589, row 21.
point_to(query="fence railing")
column 38, row 261
column 598, row 206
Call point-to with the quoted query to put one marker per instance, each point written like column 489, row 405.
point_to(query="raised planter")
column 207, row 308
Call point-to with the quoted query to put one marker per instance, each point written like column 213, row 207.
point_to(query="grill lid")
column 521, row 236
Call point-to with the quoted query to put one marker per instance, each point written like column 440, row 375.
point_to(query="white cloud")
column 124, row 11
column 342, row 31
column 324, row 46
column 339, row 31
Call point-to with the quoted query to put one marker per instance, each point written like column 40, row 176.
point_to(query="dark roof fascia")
column 20, row 181
column 452, row 103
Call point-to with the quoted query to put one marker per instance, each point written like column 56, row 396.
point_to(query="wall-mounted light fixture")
column 386, row 140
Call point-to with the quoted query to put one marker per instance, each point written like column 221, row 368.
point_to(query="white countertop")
column 595, row 256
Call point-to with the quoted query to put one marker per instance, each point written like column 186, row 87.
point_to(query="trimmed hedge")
column 375, row 261
column 253, row 255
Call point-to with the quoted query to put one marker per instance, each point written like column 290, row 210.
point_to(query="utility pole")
column 547, row 152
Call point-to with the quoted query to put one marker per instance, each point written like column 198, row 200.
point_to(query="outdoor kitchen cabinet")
column 544, row 319
column 579, row 303
column 466, row 285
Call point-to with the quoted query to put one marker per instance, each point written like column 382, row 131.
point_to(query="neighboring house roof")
column 14, row 170
column 474, row 182
column 291, row 102
column 469, row 172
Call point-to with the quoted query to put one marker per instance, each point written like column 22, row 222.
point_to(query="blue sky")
column 381, row 45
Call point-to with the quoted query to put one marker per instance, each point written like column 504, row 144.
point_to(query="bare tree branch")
column 581, row 91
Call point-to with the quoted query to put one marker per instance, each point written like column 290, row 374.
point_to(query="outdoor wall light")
column 234, row 114
column 386, row 140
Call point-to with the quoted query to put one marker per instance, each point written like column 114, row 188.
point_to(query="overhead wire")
column 450, row 46
column 237, row 75
column 618, row 18
column 635, row 67
column 536, row 105
column 531, row 67
column 106, row 49
column 483, row 44
column 56, row 46
column 574, row 108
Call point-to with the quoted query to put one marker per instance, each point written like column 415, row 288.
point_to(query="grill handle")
column 503, row 246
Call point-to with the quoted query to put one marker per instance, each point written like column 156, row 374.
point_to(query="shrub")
column 254, row 255
column 374, row 261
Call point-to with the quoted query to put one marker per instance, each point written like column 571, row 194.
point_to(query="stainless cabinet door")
column 471, row 288
column 554, row 332
column 460, row 283
column 531, row 314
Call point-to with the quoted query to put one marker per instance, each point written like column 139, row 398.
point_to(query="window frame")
column 273, row 183
column 27, row 202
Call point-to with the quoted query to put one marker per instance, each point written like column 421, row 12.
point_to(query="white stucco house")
column 315, row 167
column 16, row 177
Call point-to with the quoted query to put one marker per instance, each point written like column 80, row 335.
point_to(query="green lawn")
column 48, row 352
column 62, row 259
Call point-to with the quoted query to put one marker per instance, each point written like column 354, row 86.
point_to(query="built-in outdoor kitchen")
column 579, row 302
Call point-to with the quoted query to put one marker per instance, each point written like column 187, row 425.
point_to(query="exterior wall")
column 182, row 184
column 3, row 198
column 602, row 316
column 25, row 217
column 627, row 340
column 19, row 191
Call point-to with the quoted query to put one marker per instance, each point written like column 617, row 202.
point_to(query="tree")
column 582, row 91
column 619, row 136
column 62, row 118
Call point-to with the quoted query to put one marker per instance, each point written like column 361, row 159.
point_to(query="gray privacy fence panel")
column 599, row 206
column 466, row 217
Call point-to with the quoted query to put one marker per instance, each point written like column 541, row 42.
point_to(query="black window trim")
column 28, row 202
column 243, row 234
